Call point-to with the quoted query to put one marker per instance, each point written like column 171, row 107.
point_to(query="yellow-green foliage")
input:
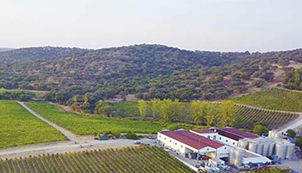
column 132, row 159
column 88, row 124
column 275, row 99
column 19, row 127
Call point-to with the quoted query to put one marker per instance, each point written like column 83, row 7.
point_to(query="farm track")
column 72, row 137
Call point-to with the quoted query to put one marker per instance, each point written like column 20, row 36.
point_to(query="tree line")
column 16, row 95
column 204, row 113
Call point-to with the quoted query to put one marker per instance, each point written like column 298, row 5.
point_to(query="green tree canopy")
column 260, row 129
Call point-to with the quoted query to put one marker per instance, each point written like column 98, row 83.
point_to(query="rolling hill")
column 146, row 71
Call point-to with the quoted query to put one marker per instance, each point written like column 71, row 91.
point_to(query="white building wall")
column 223, row 151
column 181, row 147
column 217, row 137
column 175, row 145
column 212, row 136
column 227, row 140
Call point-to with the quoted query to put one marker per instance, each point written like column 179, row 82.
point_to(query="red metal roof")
column 200, row 139
column 202, row 131
column 184, row 139
column 239, row 133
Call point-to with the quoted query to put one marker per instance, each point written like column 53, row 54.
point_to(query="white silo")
column 272, row 144
column 252, row 146
column 290, row 150
column 281, row 150
column 243, row 143
column 232, row 156
column 270, row 133
column 238, row 158
column 265, row 148
column 259, row 148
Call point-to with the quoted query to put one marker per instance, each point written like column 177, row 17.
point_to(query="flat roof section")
column 240, row 133
column 203, row 131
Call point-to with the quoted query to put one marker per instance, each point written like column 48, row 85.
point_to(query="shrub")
column 291, row 133
column 131, row 135
column 260, row 129
column 173, row 127
column 298, row 143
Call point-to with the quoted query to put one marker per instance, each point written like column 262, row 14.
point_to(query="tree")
column 211, row 114
column 298, row 143
column 258, row 83
column 62, row 96
column 198, row 112
column 227, row 112
column 203, row 110
column 142, row 108
column 260, row 129
column 169, row 110
column 155, row 108
column 291, row 133
column 102, row 108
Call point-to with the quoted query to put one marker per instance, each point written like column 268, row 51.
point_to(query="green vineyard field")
column 88, row 124
column 247, row 117
column 275, row 99
column 142, row 159
column 19, row 127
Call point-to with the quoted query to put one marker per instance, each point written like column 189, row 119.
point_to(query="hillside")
column 146, row 71
column 275, row 99
column 5, row 49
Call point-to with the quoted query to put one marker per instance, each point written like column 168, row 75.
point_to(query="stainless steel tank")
column 259, row 148
column 232, row 156
column 238, row 158
column 243, row 143
column 290, row 151
column 252, row 147
column 281, row 150
column 272, row 144
column 265, row 148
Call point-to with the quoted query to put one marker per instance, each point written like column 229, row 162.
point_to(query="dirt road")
column 72, row 137
column 67, row 146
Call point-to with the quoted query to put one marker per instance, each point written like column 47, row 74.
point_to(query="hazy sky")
column 226, row 25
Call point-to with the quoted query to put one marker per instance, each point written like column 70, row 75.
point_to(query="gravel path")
column 72, row 137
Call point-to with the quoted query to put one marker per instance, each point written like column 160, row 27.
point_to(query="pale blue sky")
column 224, row 25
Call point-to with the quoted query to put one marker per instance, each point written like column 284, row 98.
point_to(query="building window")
column 175, row 143
column 219, row 138
column 209, row 137
column 233, row 143
column 181, row 146
column 170, row 141
column 164, row 138
column 214, row 137
column 159, row 136
column 226, row 140
column 225, row 148
column 207, row 148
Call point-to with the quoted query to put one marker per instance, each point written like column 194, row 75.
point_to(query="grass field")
column 275, row 99
column 132, row 159
column 88, row 124
column 19, row 127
